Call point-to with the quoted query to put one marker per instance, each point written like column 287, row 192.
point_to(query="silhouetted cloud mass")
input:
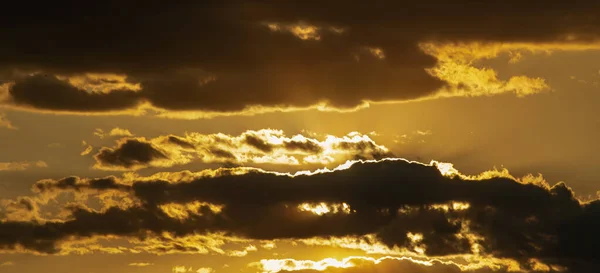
column 388, row 198
column 229, row 55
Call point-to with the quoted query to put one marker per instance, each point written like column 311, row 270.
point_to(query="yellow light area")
column 469, row 263
column 205, row 270
column 446, row 169
column 87, row 150
column 269, row 245
column 181, row 269
column 419, row 249
column 460, row 206
column 305, row 32
column 141, row 264
column 302, row 30
column 273, row 265
column 416, row 239
column 455, row 66
column 278, row 265
column 184, row 211
column 324, row 208
column 466, row 262
column 101, row 82
column 377, row 52
column 455, row 206
column 251, row 110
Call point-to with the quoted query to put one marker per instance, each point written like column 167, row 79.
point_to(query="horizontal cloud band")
column 231, row 56
column 393, row 199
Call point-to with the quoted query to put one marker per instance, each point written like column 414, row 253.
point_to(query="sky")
column 300, row 136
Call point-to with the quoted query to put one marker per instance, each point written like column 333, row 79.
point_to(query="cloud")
column 131, row 153
column 184, row 269
column 205, row 270
column 428, row 209
column 21, row 209
column 181, row 269
column 259, row 147
column 113, row 132
column 88, row 149
column 21, row 165
column 50, row 93
column 286, row 57
column 356, row 264
column 141, row 264
column 456, row 67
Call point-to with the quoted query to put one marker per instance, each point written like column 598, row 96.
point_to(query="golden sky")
column 300, row 136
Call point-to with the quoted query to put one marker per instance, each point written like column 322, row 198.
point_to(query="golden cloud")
column 265, row 146
column 101, row 82
column 140, row 264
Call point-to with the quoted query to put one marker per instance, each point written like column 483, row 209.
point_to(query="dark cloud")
column 307, row 146
column 181, row 142
column 387, row 198
column 258, row 143
column 223, row 56
column 129, row 153
column 77, row 184
column 222, row 153
column 48, row 92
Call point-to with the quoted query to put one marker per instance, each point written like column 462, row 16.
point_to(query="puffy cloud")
column 131, row 153
column 287, row 56
column 428, row 209
column 259, row 147
column 21, row 209
column 113, row 132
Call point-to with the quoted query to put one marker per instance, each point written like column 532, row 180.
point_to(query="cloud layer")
column 404, row 204
column 265, row 146
column 232, row 55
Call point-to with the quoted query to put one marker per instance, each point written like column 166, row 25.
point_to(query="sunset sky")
column 300, row 136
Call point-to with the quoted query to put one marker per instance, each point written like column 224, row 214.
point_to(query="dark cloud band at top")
column 227, row 56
